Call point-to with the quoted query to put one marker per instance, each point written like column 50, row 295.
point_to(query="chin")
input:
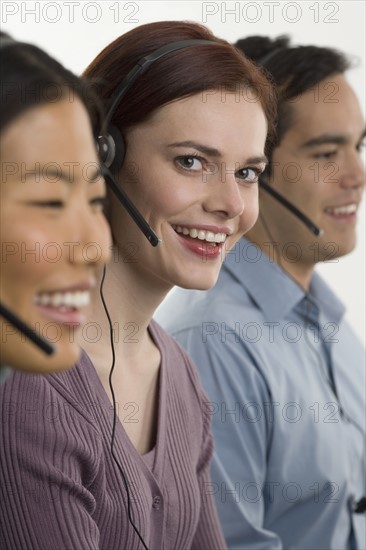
column 344, row 250
column 331, row 254
column 28, row 358
column 197, row 283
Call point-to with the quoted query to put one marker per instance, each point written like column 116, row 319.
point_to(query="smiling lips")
column 205, row 243
column 343, row 213
column 201, row 234
column 63, row 306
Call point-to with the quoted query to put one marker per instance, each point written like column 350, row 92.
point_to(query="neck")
column 279, row 251
column 131, row 295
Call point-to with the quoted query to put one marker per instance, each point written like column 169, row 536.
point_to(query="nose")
column 354, row 171
column 224, row 195
column 94, row 243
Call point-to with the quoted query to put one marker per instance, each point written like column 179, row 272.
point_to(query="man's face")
column 318, row 167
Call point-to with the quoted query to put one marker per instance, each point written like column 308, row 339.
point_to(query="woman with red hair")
column 188, row 145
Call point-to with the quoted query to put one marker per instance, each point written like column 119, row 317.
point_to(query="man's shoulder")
column 189, row 309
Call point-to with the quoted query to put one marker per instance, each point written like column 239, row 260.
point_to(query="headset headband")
column 142, row 66
column 111, row 147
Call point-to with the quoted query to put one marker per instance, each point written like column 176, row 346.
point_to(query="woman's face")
column 54, row 236
column 192, row 170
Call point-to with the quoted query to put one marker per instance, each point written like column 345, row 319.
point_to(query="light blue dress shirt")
column 285, row 376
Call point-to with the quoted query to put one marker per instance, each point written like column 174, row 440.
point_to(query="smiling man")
column 283, row 370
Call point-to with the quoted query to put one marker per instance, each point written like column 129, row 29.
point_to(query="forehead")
column 330, row 107
column 217, row 118
column 48, row 131
column 51, row 142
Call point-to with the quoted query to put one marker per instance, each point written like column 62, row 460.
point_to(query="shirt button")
column 156, row 503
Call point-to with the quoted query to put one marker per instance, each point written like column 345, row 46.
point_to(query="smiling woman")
column 195, row 172
column 50, row 211
column 195, row 126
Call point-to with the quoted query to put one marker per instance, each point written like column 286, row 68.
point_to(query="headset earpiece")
column 111, row 149
column 111, row 146
column 105, row 148
column 118, row 151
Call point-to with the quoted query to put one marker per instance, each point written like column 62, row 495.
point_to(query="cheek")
column 27, row 254
column 172, row 200
column 251, row 211
column 160, row 190
column 299, row 183
column 288, row 171
column 167, row 192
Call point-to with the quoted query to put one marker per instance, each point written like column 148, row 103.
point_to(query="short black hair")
column 30, row 77
column 293, row 69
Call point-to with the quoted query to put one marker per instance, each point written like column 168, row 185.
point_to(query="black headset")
column 111, row 147
column 358, row 507
column 317, row 231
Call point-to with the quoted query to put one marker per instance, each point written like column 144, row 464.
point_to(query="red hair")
column 179, row 74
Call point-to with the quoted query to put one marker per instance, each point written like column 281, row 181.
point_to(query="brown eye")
column 190, row 162
column 250, row 175
column 325, row 155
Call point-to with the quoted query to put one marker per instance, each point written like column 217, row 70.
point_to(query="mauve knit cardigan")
column 60, row 488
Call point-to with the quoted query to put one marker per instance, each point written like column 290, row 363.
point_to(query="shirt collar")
column 328, row 302
column 275, row 293
column 5, row 373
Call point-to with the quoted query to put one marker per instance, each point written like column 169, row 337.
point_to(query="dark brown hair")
column 179, row 74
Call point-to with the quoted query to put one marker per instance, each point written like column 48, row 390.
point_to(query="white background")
column 75, row 31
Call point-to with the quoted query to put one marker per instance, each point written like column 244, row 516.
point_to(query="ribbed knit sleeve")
column 208, row 534
column 60, row 487
column 46, row 470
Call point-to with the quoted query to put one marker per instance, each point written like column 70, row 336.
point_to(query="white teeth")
column 349, row 209
column 64, row 300
column 43, row 300
column 69, row 299
column 56, row 299
column 200, row 234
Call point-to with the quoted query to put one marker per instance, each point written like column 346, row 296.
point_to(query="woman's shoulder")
column 188, row 403
column 180, row 367
column 169, row 348
column 48, row 394
column 51, row 438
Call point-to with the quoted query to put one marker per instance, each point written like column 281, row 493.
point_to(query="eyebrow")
column 60, row 175
column 213, row 152
column 335, row 139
